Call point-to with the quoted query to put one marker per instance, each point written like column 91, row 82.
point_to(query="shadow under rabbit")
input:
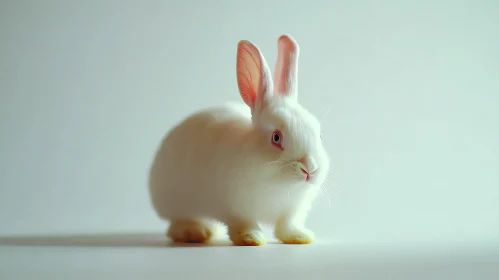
column 107, row 240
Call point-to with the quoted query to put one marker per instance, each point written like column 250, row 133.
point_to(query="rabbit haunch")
column 226, row 165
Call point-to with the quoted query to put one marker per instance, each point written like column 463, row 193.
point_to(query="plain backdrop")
column 408, row 93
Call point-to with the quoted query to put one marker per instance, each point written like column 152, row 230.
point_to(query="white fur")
column 219, row 165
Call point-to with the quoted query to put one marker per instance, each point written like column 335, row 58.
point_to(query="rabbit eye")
column 277, row 139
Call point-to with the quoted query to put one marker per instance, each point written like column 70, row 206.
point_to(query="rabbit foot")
column 189, row 231
column 249, row 238
column 295, row 236
column 246, row 233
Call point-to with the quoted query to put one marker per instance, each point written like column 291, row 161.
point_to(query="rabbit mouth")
column 307, row 175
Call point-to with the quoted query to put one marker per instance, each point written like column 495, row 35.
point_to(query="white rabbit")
column 244, row 165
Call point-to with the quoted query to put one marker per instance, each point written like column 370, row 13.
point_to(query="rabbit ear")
column 253, row 74
column 286, row 70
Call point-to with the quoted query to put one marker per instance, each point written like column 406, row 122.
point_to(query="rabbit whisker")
column 326, row 113
column 272, row 162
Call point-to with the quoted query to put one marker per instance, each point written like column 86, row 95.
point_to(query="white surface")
column 147, row 256
column 88, row 89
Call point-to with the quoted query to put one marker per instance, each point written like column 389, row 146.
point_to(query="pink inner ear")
column 285, row 71
column 249, row 72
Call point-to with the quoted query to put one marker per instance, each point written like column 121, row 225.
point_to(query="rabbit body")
column 241, row 166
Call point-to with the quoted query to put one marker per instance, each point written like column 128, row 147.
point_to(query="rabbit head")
column 293, row 131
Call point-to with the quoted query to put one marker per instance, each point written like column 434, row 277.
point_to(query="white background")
column 88, row 89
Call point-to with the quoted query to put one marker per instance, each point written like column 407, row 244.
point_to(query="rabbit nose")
column 308, row 165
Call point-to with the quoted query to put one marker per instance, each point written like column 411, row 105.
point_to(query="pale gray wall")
column 88, row 89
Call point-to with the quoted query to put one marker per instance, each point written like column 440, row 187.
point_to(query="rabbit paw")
column 295, row 235
column 249, row 238
column 189, row 231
